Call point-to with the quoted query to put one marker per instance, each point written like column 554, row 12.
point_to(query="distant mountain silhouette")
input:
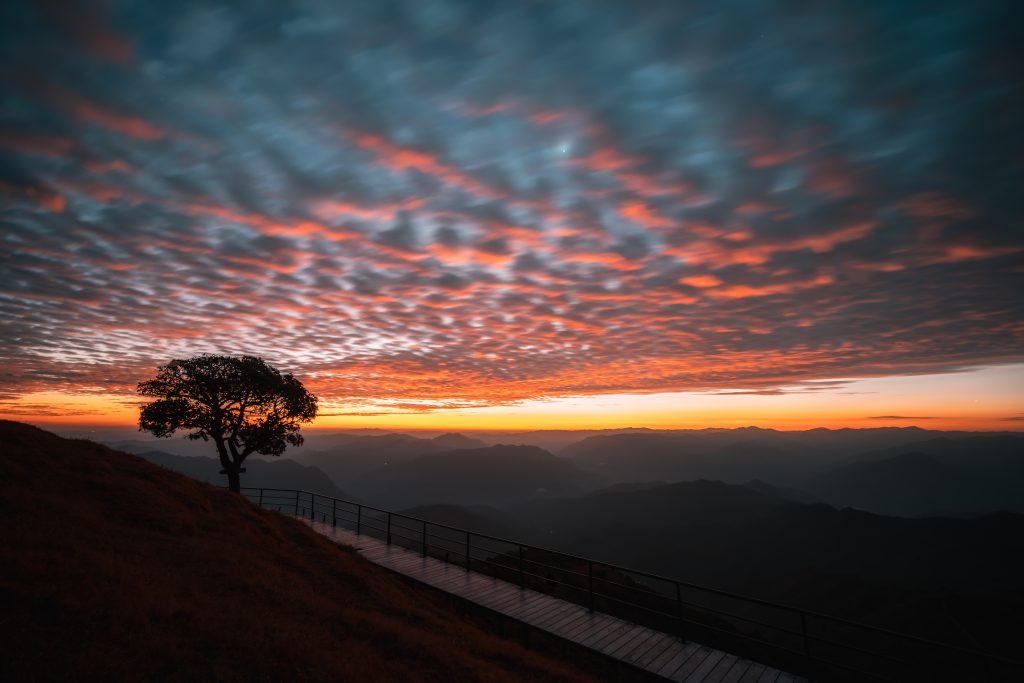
column 491, row 475
column 781, row 492
column 355, row 457
column 283, row 473
column 555, row 440
column 172, row 446
column 957, row 477
column 964, row 473
column 733, row 456
column 450, row 442
column 480, row 518
column 935, row 577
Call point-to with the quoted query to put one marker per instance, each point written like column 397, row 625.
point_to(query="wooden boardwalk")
column 659, row 653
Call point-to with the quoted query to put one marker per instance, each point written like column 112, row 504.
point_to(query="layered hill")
column 277, row 473
column 115, row 569
column 475, row 476
column 399, row 471
column 943, row 476
column 946, row 579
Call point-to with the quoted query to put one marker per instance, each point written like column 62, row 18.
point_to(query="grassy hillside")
column 115, row 569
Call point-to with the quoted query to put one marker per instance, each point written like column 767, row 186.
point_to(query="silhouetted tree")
column 240, row 403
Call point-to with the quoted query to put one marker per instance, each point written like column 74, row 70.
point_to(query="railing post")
column 389, row 528
column 590, row 584
column 261, row 497
column 467, row 551
column 679, row 611
column 296, row 502
column 424, row 541
column 312, row 507
column 807, row 644
column 334, row 512
column 359, row 519
column 522, row 581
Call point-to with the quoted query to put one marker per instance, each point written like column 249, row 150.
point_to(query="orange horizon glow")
column 982, row 399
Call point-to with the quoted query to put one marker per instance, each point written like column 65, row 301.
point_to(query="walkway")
column 660, row 653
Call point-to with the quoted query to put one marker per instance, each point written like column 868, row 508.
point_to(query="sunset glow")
column 979, row 399
column 569, row 220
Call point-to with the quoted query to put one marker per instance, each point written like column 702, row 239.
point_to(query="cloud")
column 432, row 205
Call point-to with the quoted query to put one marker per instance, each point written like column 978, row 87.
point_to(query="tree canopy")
column 242, row 404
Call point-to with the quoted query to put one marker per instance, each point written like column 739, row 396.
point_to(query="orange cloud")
column 747, row 292
column 50, row 146
column 642, row 214
column 398, row 158
column 45, row 197
column 90, row 112
column 543, row 118
column 701, row 281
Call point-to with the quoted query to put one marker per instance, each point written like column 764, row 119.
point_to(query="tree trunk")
column 233, row 480
column 231, row 467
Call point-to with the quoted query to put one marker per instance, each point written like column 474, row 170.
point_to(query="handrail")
column 803, row 614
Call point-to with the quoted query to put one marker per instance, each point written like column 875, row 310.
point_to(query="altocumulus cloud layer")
column 444, row 203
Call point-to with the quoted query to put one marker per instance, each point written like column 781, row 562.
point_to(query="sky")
column 445, row 213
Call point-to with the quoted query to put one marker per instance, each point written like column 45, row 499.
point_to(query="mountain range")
column 908, row 472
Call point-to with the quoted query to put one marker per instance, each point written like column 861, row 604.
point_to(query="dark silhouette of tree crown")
column 240, row 403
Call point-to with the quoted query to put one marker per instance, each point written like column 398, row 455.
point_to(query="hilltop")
column 117, row 569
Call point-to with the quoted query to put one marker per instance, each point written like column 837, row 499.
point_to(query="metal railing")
column 819, row 646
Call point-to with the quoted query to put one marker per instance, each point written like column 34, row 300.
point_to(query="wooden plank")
column 509, row 606
column 585, row 626
column 688, row 652
column 588, row 630
column 440, row 573
column 634, row 654
column 474, row 587
column 723, row 668
column 479, row 594
column 410, row 566
column 470, row 583
column 698, row 672
column 609, row 631
column 541, row 611
column 737, row 672
column 644, row 641
column 536, row 612
column 661, row 653
column 526, row 602
column 453, row 584
column 566, row 623
column 661, row 660
column 647, row 659
column 565, row 612
column 548, row 602
column 498, row 595
column 632, row 634
column 602, row 630
column 687, row 667
column 511, row 601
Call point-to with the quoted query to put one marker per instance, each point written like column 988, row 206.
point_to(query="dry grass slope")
column 116, row 569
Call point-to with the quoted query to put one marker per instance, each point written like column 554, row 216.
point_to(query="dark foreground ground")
column 116, row 569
